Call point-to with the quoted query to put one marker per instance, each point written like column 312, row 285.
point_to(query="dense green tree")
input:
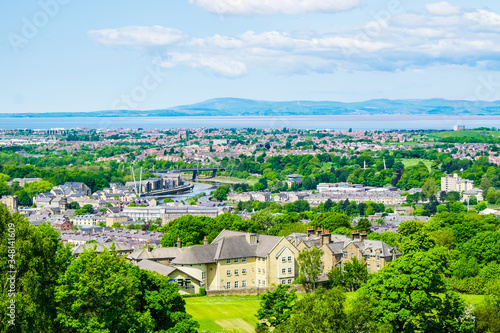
column 321, row 312
column 352, row 276
column 103, row 292
column 406, row 295
column 276, row 306
column 331, row 221
column 39, row 259
column 310, row 266
column 220, row 194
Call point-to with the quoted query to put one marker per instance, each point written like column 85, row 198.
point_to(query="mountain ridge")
column 231, row 106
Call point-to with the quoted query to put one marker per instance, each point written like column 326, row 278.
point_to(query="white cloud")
column 484, row 18
column 137, row 36
column 270, row 7
column 219, row 65
column 407, row 41
column 443, row 8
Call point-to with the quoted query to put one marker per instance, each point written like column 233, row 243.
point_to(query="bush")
column 202, row 292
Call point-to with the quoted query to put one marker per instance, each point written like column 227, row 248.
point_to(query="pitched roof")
column 156, row 253
column 227, row 245
column 198, row 254
column 156, row 267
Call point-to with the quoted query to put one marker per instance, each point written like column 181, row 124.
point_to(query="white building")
column 456, row 183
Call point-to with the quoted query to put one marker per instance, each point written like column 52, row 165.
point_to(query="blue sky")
column 70, row 55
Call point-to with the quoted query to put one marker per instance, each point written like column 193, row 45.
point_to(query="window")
column 203, row 275
column 263, row 271
column 378, row 256
column 283, row 259
column 283, row 270
column 236, row 284
column 283, row 281
column 243, row 271
column 378, row 267
column 244, row 284
column 236, row 272
column 243, row 259
column 180, row 282
column 263, row 282
column 187, row 282
column 289, row 281
column 228, row 285
column 263, row 259
column 345, row 254
column 289, row 259
column 289, row 270
column 258, row 270
column 236, row 260
column 368, row 267
column 228, row 261
column 228, row 272
column 259, row 282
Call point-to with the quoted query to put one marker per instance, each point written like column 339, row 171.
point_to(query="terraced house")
column 338, row 249
column 236, row 260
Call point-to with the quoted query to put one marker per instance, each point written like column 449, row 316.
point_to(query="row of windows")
column 263, row 270
column 237, row 272
column 236, row 284
column 285, row 281
column 261, row 259
column 285, row 259
column 368, row 267
column 237, row 260
column 261, row 282
column 367, row 257
column 283, row 270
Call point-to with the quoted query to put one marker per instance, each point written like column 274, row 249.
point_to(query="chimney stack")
column 178, row 242
column 319, row 231
column 310, row 232
column 364, row 235
column 325, row 237
column 355, row 235
column 205, row 242
column 148, row 245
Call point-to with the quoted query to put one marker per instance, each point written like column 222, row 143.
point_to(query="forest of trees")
column 56, row 292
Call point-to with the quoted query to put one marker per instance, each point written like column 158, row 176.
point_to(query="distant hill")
column 247, row 107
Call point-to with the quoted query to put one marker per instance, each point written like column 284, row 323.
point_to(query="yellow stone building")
column 339, row 249
column 236, row 260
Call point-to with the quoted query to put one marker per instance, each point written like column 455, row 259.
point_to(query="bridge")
column 193, row 170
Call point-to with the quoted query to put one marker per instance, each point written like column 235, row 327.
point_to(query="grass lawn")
column 237, row 313
column 408, row 162
column 224, row 312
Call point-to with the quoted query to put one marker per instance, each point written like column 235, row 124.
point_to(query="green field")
column 237, row 313
column 408, row 162
column 465, row 133
column 224, row 312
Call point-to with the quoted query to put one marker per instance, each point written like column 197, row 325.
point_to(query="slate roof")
column 227, row 245
column 156, row 253
column 336, row 247
column 156, row 267
column 198, row 254
column 119, row 247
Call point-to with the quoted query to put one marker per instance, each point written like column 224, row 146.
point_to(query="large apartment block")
column 237, row 260
column 456, row 183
